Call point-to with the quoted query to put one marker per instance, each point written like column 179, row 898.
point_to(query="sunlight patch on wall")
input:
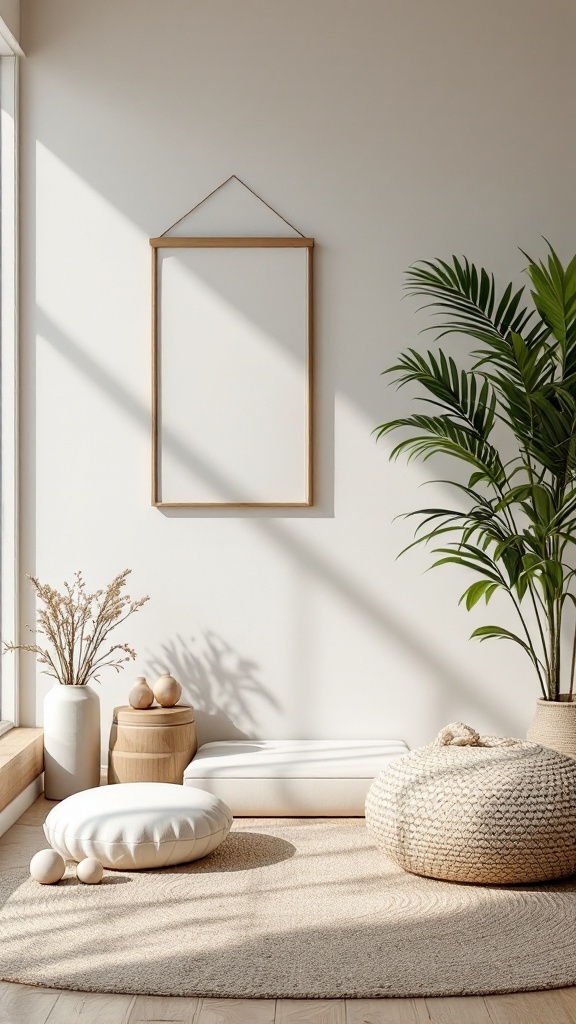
column 90, row 257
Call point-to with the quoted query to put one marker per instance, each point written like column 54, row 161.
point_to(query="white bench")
column 291, row 778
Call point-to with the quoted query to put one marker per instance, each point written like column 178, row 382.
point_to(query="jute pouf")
column 477, row 809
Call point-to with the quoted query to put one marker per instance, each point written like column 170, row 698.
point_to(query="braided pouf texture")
column 482, row 809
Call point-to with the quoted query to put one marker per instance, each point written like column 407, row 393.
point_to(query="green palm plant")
column 517, row 531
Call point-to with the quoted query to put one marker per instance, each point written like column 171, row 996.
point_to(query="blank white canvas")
column 233, row 376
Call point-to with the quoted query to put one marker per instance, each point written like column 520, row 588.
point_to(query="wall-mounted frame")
column 232, row 373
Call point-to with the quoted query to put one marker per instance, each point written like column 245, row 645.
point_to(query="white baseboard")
column 15, row 809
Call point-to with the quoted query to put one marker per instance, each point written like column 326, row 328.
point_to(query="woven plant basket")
column 554, row 726
column 477, row 809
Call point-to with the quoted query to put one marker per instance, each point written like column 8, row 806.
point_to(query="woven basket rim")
column 557, row 703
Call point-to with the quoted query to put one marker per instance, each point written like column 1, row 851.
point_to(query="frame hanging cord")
column 217, row 189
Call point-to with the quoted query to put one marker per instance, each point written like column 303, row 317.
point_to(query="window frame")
column 9, row 388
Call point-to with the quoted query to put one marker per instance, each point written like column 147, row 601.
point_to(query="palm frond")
column 439, row 435
column 463, row 395
column 468, row 296
column 554, row 296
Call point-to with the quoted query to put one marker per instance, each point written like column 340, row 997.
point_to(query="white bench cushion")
column 138, row 825
column 291, row 778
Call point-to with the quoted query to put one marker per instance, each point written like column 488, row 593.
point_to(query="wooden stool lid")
column 180, row 714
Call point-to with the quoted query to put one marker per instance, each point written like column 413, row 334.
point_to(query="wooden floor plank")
column 310, row 1011
column 152, row 1009
column 23, row 1004
column 381, row 1011
column 37, row 812
column 90, row 1008
column 19, row 844
column 567, row 999
column 532, row 1008
column 235, row 1011
column 22, row 829
column 452, row 1010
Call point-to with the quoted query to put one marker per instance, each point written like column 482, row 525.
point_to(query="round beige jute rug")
column 287, row 908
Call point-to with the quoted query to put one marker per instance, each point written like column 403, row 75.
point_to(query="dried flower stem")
column 76, row 625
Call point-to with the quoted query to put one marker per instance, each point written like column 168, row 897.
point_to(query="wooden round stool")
column 154, row 745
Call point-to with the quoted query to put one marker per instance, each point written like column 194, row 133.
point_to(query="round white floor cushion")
column 138, row 825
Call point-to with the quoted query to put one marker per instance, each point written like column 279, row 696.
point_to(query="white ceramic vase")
column 71, row 740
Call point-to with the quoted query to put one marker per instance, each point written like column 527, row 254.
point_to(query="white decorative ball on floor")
column 47, row 867
column 167, row 690
column 90, row 871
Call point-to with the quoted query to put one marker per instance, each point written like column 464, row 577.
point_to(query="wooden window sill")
column 21, row 761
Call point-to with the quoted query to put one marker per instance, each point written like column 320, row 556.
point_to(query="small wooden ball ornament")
column 141, row 695
column 167, row 690
column 90, row 871
column 47, row 867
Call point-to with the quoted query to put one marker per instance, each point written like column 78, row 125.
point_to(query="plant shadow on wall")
column 222, row 685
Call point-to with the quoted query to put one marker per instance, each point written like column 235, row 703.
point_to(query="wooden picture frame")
column 166, row 369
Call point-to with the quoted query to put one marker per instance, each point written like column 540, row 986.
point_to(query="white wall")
column 389, row 130
column 10, row 13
